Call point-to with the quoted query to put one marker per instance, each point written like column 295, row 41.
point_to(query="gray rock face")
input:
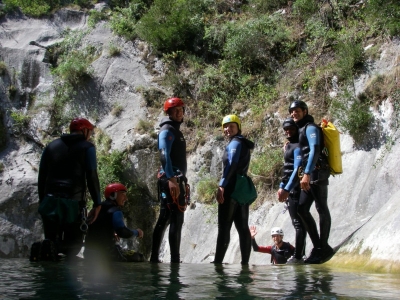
column 363, row 200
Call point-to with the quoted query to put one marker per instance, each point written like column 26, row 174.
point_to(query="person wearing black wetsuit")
column 100, row 242
column 236, row 160
column 289, row 188
column 67, row 167
column 314, row 182
column 280, row 251
column 172, row 183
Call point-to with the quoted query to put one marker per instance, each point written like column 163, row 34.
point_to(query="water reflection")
column 83, row 280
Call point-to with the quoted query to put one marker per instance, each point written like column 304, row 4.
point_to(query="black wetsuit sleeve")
column 92, row 177
column 254, row 245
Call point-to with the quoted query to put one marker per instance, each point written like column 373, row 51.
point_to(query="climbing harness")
column 183, row 186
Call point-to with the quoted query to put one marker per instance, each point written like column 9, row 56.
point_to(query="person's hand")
column 93, row 214
column 305, row 182
column 220, row 195
column 140, row 232
column 116, row 237
column 282, row 195
column 253, row 231
column 174, row 189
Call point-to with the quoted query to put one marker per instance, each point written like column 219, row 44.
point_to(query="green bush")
column 34, row 8
column 305, row 8
column 96, row 16
column 123, row 20
column 171, row 25
column 74, row 68
column 384, row 14
column 350, row 59
column 352, row 115
column 258, row 43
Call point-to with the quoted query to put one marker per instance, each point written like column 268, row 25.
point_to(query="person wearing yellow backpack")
column 314, row 182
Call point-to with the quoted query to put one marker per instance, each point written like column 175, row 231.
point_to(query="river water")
column 22, row 279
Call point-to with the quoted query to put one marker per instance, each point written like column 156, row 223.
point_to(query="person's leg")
column 175, row 230
column 241, row 219
column 321, row 204
column 159, row 230
column 225, row 220
column 72, row 239
column 298, row 226
column 305, row 201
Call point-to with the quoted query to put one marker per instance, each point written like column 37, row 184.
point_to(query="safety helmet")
column 231, row 119
column 288, row 122
column 113, row 188
column 298, row 103
column 79, row 124
column 277, row 230
column 173, row 102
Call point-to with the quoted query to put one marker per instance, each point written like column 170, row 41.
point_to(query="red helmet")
column 113, row 188
column 173, row 102
column 79, row 124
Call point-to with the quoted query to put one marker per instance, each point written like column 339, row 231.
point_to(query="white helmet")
column 277, row 230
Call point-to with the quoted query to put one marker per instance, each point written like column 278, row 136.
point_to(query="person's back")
column 64, row 165
column 67, row 167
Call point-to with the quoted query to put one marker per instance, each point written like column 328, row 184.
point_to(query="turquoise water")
column 22, row 279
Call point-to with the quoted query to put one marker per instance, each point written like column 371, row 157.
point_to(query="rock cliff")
column 363, row 200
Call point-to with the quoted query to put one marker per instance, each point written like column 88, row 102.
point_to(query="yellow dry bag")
column 332, row 145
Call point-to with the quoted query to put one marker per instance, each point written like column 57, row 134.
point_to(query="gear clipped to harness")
column 163, row 189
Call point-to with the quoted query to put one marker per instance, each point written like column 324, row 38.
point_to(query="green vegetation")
column 3, row 68
column 246, row 57
column 20, row 121
column 206, row 188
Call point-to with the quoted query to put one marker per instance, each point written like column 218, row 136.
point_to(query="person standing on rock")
column 236, row 160
column 173, row 189
column 67, row 167
column 280, row 251
column 289, row 188
column 313, row 182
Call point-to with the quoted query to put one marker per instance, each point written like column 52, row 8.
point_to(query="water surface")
column 22, row 279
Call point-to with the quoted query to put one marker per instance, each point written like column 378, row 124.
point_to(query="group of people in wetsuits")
column 304, row 181
column 68, row 166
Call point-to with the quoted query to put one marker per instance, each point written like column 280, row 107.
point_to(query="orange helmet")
column 113, row 188
column 79, row 124
column 173, row 102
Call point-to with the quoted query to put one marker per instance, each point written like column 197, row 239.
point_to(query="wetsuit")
column 67, row 167
column 290, row 183
column 172, row 146
column 236, row 160
column 314, row 162
column 100, row 239
column 278, row 255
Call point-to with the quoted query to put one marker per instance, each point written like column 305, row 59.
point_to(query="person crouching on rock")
column 109, row 227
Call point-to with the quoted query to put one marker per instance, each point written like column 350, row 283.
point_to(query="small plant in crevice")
column 117, row 110
column 20, row 121
column 113, row 50
column 145, row 126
